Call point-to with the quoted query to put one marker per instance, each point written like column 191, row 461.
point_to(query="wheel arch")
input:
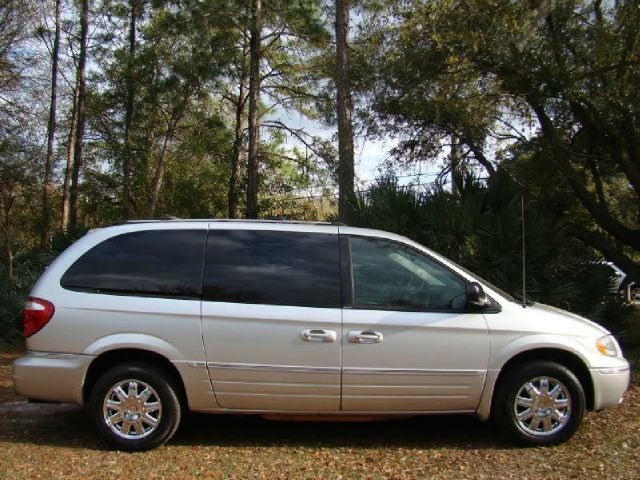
column 565, row 358
column 109, row 359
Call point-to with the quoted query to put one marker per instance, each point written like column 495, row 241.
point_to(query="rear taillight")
column 36, row 314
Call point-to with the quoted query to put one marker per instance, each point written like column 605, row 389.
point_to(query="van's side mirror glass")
column 476, row 296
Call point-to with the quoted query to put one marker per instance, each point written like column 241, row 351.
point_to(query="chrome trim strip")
column 277, row 368
column 413, row 371
column 403, row 396
column 348, row 370
column 221, row 395
column 197, row 364
column 613, row 371
column 276, row 384
column 56, row 355
column 381, row 388
column 346, row 413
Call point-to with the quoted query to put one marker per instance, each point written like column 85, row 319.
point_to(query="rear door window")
column 272, row 267
column 160, row 263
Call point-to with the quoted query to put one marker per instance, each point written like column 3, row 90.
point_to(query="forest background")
column 115, row 110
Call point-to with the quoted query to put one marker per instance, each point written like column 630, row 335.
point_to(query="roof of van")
column 276, row 221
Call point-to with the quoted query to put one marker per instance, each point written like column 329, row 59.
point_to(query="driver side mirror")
column 476, row 296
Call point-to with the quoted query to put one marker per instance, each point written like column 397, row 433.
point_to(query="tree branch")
column 561, row 157
column 298, row 133
column 606, row 246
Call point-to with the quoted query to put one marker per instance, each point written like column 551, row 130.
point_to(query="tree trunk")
column 7, row 231
column 71, row 140
column 8, row 258
column 51, row 134
column 254, row 114
column 79, row 136
column 344, row 108
column 237, row 143
column 162, row 161
column 129, row 111
column 456, row 168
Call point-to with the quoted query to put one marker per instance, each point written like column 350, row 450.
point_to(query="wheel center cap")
column 545, row 406
column 133, row 404
column 132, row 416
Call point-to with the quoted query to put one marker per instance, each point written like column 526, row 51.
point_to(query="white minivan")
column 145, row 320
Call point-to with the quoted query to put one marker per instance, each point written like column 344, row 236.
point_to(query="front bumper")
column 609, row 384
column 53, row 377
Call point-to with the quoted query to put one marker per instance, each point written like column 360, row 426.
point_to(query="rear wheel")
column 135, row 408
column 540, row 403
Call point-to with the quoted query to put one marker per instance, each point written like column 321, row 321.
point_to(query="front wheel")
column 135, row 408
column 540, row 403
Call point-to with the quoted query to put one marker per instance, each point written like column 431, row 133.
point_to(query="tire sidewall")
column 509, row 388
column 166, row 392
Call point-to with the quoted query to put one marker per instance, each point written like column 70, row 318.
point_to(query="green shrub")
column 27, row 267
column 481, row 229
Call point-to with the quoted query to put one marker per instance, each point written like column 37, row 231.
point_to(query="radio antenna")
column 524, row 266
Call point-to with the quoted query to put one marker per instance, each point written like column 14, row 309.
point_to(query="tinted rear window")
column 163, row 263
column 276, row 268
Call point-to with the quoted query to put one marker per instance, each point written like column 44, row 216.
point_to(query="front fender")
column 525, row 343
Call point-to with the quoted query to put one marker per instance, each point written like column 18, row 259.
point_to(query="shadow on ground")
column 71, row 426
column 418, row 432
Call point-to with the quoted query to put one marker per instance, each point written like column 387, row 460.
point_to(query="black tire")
column 138, row 424
column 551, row 422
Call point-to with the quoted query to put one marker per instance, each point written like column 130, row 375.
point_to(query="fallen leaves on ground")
column 57, row 441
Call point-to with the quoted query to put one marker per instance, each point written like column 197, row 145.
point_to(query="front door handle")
column 319, row 336
column 366, row 336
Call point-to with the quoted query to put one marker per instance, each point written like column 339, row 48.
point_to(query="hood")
column 556, row 319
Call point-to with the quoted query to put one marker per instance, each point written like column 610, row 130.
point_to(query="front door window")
column 389, row 275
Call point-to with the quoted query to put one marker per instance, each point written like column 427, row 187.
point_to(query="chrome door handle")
column 366, row 336
column 319, row 336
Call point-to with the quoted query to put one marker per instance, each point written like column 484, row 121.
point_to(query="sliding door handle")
column 365, row 336
column 319, row 336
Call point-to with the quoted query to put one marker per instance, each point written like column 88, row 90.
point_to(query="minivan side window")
column 387, row 274
column 159, row 263
column 272, row 267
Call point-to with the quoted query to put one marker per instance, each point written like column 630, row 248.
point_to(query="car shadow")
column 71, row 426
column 423, row 432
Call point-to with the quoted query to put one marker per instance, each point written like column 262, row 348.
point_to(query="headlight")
column 608, row 346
